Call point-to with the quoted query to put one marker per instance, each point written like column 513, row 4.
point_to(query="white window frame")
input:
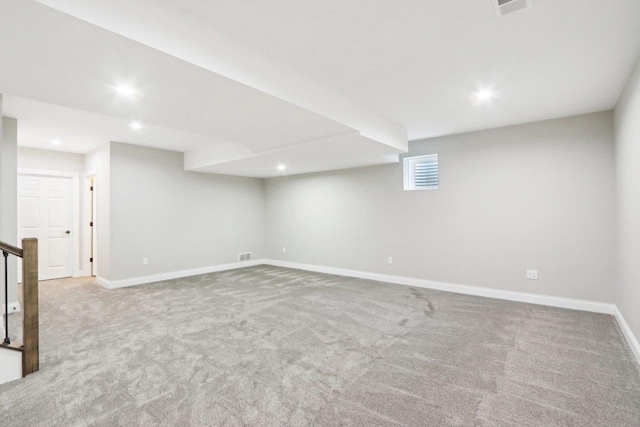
column 408, row 171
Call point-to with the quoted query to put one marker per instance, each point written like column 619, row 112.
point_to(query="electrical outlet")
column 532, row 274
column 390, row 260
column 284, row 250
column 145, row 261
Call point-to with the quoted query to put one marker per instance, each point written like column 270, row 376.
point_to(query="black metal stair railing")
column 5, row 254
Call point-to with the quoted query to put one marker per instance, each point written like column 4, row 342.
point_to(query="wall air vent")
column 244, row 257
column 509, row 7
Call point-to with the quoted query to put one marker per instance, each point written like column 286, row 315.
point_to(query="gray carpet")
column 270, row 346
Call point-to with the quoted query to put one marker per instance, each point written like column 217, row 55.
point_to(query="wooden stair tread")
column 13, row 346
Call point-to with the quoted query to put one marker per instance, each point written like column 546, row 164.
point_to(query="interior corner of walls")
column 516, row 296
column 627, row 155
column 632, row 340
column 171, row 275
column 103, row 282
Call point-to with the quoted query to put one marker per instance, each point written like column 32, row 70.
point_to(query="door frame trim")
column 75, row 220
column 86, row 207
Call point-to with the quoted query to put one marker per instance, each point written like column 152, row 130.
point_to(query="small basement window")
column 421, row 172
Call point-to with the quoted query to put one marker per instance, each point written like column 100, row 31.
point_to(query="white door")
column 45, row 211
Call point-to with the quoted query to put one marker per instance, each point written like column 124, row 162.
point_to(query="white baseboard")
column 123, row 283
column 628, row 334
column 574, row 304
column 569, row 303
column 103, row 282
column 547, row 300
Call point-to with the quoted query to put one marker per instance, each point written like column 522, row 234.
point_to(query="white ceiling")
column 240, row 84
column 53, row 58
column 196, row 41
column 355, row 151
column 59, row 75
column 81, row 131
column 418, row 61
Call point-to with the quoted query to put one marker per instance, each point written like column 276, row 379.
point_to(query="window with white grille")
column 421, row 172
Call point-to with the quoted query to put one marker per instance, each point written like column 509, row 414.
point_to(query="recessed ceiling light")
column 484, row 95
column 55, row 141
column 282, row 167
column 135, row 125
column 125, row 90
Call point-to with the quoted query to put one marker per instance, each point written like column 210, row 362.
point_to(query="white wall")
column 10, row 365
column 149, row 207
column 178, row 220
column 8, row 202
column 535, row 196
column 46, row 160
column 627, row 127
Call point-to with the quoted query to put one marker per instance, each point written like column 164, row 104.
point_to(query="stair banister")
column 31, row 329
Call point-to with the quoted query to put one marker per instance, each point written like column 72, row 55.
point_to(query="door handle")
column 67, row 232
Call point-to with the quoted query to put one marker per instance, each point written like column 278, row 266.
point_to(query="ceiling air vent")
column 508, row 7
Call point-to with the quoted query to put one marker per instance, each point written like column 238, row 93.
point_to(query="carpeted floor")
column 269, row 346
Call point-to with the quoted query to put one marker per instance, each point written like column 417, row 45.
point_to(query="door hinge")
column 91, row 224
column 90, row 259
column 91, row 188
